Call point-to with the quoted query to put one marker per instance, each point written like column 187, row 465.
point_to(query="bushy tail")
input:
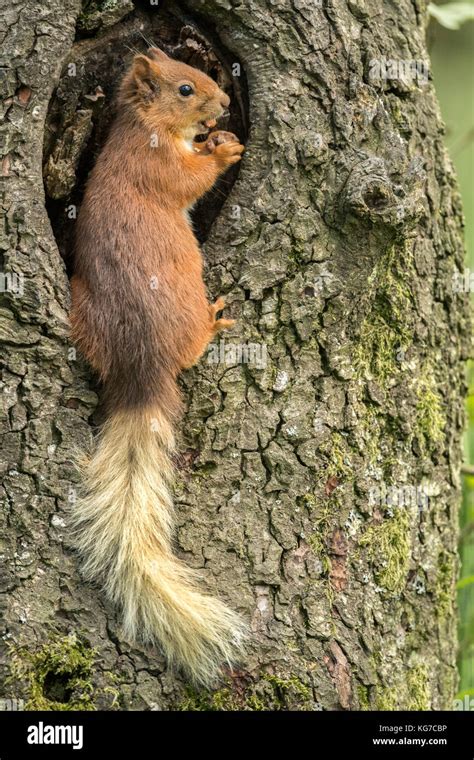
column 123, row 529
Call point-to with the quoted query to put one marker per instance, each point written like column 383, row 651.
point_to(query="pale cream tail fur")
column 123, row 529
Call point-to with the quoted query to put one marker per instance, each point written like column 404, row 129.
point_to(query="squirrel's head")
column 172, row 95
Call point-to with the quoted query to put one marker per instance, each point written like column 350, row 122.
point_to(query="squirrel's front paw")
column 227, row 151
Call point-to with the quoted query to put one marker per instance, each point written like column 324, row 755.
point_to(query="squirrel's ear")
column 145, row 76
column 157, row 54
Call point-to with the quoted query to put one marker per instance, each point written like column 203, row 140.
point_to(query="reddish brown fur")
column 140, row 313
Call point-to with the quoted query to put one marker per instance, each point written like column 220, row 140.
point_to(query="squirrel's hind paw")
column 222, row 324
column 219, row 324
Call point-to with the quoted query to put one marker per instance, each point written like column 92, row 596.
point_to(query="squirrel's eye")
column 186, row 90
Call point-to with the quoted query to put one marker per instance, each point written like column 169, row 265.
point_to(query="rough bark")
column 336, row 248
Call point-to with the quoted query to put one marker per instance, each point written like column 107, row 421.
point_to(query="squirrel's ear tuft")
column 145, row 77
column 157, row 54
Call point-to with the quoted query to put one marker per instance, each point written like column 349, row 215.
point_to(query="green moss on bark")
column 385, row 334
column 389, row 549
column 57, row 676
column 445, row 591
column 270, row 692
column 430, row 421
column 412, row 692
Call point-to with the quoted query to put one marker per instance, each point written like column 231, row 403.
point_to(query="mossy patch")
column 363, row 697
column 445, row 587
column 57, row 676
column 378, row 346
column 389, row 550
column 385, row 333
column 419, row 697
column 378, row 438
column 318, row 543
column 387, row 699
column 410, row 692
column 337, row 454
column 270, row 692
column 335, row 470
column 430, row 421
column 318, row 540
column 221, row 700
column 285, row 686
column 296, row 256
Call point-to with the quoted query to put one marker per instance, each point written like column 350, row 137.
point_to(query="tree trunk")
column 318, row 484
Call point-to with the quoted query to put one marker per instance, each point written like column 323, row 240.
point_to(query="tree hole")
column 83, row 104
column 56, row 687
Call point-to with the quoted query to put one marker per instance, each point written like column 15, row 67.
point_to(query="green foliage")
column 452, row 15
column 464, row 582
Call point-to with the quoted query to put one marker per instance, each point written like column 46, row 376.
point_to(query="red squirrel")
column 140, row 315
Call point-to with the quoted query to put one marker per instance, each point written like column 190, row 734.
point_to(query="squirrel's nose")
column 225, row 100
